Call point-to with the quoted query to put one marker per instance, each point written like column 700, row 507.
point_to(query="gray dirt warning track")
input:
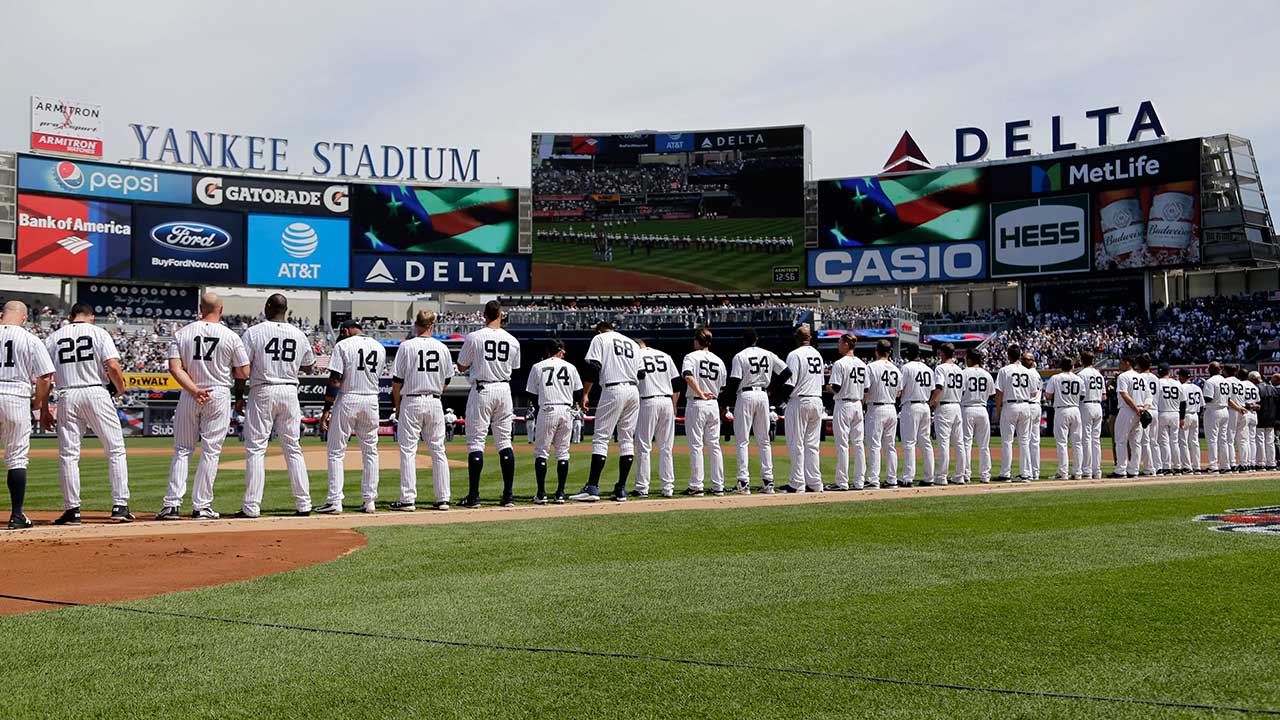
column 350, row 520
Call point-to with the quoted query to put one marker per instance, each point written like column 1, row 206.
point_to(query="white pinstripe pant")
column 79, row 410
column 208, row 424
column 15, row 430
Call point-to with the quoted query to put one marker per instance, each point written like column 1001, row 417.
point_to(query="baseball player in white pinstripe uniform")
column 884, row 385
column 804, row 416
column 1190, row 430
column 489, row 355
column 705, row 375
column 656, row 424
column 948, row 382
column 1172, row 406
column 979, row 386
column 206, row 358
column 750, row 373
column 613, row 359
column 556, row 386
column 1150, row 457
column 422, row 370
column 1234, row 387
column 1015, row 411
column 351, row 407
column 1216, row 419
column 1065, row 390
column 24, row 366
column 913, row 418
column 849, row 381
column 278, row 352
column 85, row 361
column 1095, row 389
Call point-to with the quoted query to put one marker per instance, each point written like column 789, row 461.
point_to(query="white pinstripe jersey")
column 554, row 381
column 490, row 354
column 618, row 355
column 1195, row 398
column 1094, row 385
column 884, row 382
column 851, row 375
column 276, row 352
column 707, row 370
column 359, row 359
column 1169, row 395
column 950, row 377
column 659, row 372
column 80, row 351
column 806, row 366
column 208, row 352
column 1067, row 388
column 22, row 359
column 917, row 382
column 755, row 367
column 423, row 364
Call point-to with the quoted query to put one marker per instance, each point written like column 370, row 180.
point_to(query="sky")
column 487, row 74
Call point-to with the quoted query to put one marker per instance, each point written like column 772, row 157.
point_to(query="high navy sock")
column 507, row 461
column 475, row 464
column 17, row 489
column 624, row 471
column 597, row 467
column 562, row 475
column 540, row 472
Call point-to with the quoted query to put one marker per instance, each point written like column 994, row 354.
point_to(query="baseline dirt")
column 97, row 527
column 110, row 569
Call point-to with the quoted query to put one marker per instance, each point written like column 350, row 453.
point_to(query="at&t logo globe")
column 300, row 240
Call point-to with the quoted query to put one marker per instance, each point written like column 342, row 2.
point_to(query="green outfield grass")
column 148, row 474
column 1109, row 592
column 710, row 270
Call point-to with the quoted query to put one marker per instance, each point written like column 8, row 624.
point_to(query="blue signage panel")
column 184, row 244
column 898, row 264
column 293, row 251
column 70, row 177
column 465, row 273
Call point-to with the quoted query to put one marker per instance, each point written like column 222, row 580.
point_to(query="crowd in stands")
column 610, row 239
column 656, row 178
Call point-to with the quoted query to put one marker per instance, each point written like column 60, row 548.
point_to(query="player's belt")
column 854, row 400
column 917, row 402
column 267, row 384
column 714, row 399
column 624, row 382
column 1017, row 402
column 487, row 383
column 650, row 397
column 425, row 395
column 809, row 396
column 749, row 389
column 882, row 403
column 1095, row 402
column 982, row 405
column 948, row 402
column 82, row 387
column 556, row 405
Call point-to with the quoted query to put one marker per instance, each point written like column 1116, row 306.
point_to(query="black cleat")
column 638, row 494
column 120, row 513
column 558, row 499
column 442, row 505
column 469, row 502
column 690, row 492
column 169, row 512
column 18, row 521
column 301, row 513
column 204, row 514
column 507, row 501
column 242, row 515
column 786, row 489
column 68, row 517
column 1002, row 478
column 402, row 506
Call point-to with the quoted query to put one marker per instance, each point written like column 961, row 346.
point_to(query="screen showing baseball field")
column 703, row 211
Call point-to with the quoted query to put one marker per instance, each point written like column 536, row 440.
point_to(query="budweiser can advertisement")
column 1145, row 227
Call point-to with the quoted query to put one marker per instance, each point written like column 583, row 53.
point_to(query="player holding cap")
column 1252, row 400
column 1066, row 392
column 848, row 382
column 1014, row 415
column 803, row 415
column 351, row 406
column 1150, row 463
column 913, row 419
column 489, row 355
column 1172, row 408
column 206, row 359
column 27, row 368
column 948, row 383
column 1130, row 403
column 556, row 387
column 705, row 375
column 1216, row 419
column 750, row 375
column 1095, row 389
column 1190, row 430
column 978, row 389
column 613, row 360
column 422, row 370
column 85, row 362
column 278, row 352
column 657, row 420
column 1235, row 418
column 884, row 385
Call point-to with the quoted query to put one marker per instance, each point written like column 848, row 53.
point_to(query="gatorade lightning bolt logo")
column 1251, row 521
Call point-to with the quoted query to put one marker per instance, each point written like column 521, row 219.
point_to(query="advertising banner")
column 922, row 227
column 1083, row 292
column 1040, row 236
column 66, row 126
column 1144, row 201
column 150, row 382
column 291, row 251
column 77, row 238
column 68, row 177
column 642, row 212
column 402, row 218
column 272, row 196
column 186, row 244
column 140, row 301
column 455, row 273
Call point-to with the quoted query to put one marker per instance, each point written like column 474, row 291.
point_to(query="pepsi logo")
column 68, row 175
column 191, row 236
column 299, row 240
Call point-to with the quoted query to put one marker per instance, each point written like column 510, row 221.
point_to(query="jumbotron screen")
column 702, row 211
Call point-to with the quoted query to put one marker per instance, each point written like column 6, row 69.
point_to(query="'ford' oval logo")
column 193, row 236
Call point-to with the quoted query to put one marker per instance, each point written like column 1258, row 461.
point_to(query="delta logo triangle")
column 906, row 156
column 380, row 274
